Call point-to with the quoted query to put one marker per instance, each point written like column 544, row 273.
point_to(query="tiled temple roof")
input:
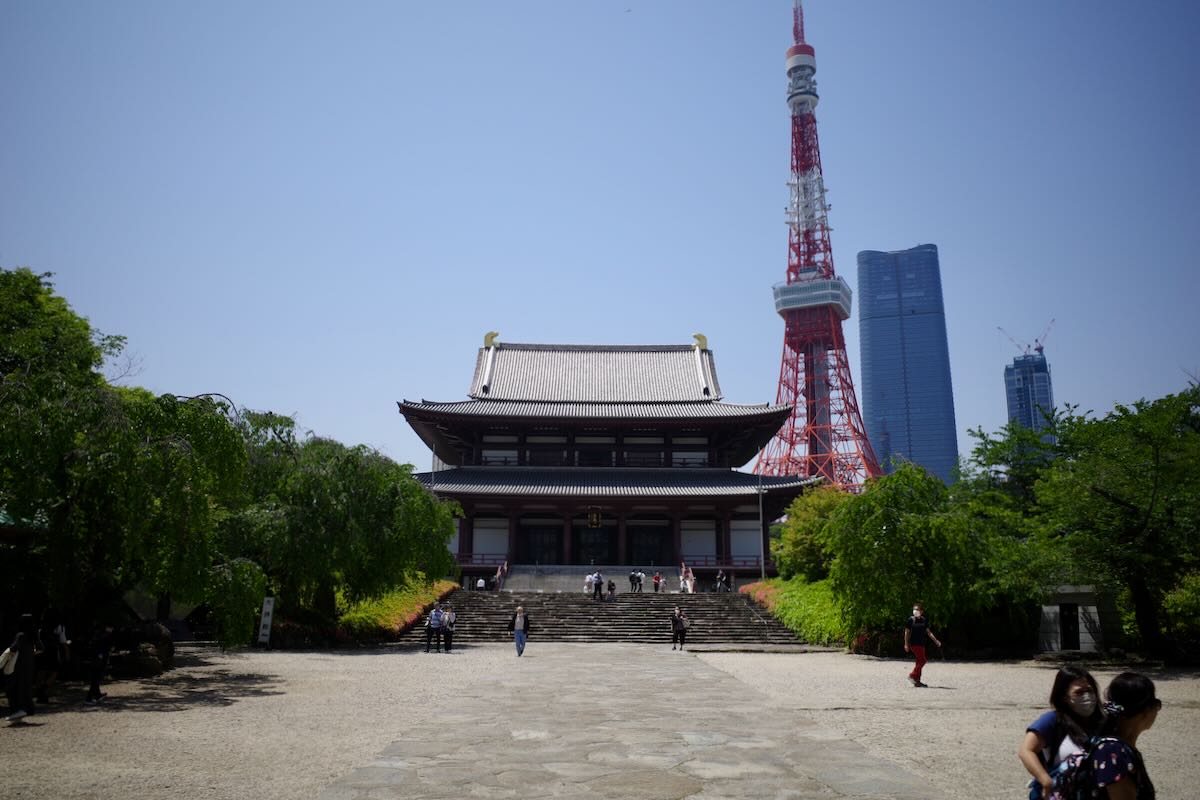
column 609, row 411
column 604, row 482
column 595, row 373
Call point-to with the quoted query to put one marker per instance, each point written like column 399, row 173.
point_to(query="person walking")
column 633, row 580
column 656, row 580
column 20, row 681
column 916, row 633
column 612, row 591
column 448, row 620
column 1073, row 719
column 598, row 586
column 99, row 647
column 518, row 626
column 433, row 627
column 52, row 638
column 679, row 627
column 641, row 581
column 589, row 582
column 1117, row 764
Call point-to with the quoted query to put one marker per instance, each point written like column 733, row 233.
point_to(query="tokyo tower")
column 824, row 436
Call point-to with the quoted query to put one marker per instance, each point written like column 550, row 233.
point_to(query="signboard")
column 264, row 627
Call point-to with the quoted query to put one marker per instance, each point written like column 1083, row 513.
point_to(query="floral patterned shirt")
column 1114, row 761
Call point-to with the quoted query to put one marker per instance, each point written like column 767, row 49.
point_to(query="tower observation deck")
column 824, row 436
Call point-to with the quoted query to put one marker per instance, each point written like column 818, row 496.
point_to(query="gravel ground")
column 963, row 731
column 269, row 725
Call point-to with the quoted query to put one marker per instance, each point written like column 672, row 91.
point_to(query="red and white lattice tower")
column 824, row 436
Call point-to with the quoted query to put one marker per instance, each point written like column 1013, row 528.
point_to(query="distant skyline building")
column 908, row 399
column 1029, row 392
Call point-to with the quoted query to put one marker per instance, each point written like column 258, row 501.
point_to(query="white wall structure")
column 1072, row 614
column 745, row 539
column 491, row 537
column 697, row 537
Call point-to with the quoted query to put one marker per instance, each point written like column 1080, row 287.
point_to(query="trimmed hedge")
column 391, row 615
column 808, row 609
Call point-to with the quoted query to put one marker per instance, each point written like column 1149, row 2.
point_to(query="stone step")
column 633, row 617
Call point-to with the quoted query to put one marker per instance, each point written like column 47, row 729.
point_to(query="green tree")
column 329, row 520
column 120, row 488
column 1126, row 498
column 802, row 546
column 896, row 543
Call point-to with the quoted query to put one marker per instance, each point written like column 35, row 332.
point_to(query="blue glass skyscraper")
column 907, row 397
column 1030, row 395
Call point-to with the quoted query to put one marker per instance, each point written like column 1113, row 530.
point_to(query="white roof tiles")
column 595, row 374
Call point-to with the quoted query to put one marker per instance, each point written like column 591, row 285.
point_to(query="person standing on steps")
column 598, row 586
column 916, row 632
column 518, row 626
column 448, row 620
column 679, row 627
column 656, row 580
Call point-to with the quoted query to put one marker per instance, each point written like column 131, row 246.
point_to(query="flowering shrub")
column 392, row 615
column 808, row 609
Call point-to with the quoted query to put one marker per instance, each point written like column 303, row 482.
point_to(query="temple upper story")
column 553, row 405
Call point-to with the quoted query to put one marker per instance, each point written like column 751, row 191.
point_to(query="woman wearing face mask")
column 1057, row 734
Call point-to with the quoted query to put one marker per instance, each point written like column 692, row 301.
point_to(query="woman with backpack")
column 1116, row 764
column 1054, row 736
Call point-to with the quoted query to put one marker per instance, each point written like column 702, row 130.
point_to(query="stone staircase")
column 725, row 618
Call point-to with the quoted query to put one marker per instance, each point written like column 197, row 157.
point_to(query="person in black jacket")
column 518, row 626
column 20, row 682
column 99, row 649
column 679, row 627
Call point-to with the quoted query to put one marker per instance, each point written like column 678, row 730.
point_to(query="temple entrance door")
column 594, row 545
column 539, row 541
column 650, row 542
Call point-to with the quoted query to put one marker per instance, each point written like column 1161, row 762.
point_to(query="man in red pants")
column 916, row 632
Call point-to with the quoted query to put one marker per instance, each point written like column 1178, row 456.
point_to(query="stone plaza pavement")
column 613, row 721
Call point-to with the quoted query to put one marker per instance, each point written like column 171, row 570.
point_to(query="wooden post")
column 567, row 528
column 622, row 539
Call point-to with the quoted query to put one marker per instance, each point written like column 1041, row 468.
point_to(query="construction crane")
column 1038, row 343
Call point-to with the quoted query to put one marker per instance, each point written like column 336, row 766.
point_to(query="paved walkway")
column 613, row 721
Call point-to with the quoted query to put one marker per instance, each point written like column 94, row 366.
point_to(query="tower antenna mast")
column 824, row 436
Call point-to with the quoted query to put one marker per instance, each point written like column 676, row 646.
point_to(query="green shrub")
column 1182, row 605
column 808, row 609
column 389, row 616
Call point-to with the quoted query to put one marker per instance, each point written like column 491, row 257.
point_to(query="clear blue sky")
column 320, row 208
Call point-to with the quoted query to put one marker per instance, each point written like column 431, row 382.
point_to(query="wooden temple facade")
column 602, row 455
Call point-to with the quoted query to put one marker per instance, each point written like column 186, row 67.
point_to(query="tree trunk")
column 162, row 611
column 326, row 601
column 1145, row 611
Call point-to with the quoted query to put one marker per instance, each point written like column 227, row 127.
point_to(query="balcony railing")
column 723, row 562
column 480, row 559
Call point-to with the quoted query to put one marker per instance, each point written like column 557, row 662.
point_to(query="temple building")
column 604, row 455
